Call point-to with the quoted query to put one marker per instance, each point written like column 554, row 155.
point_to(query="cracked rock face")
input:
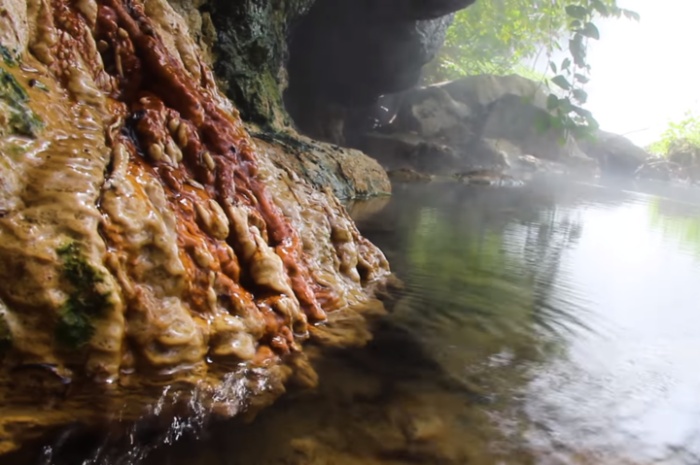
column 144, row 238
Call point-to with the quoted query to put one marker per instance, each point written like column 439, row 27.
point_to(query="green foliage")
column 85, row 301
column 681, row 135
column 8, row 56
column 494, row 37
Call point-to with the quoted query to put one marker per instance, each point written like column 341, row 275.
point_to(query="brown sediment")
column 144, row 238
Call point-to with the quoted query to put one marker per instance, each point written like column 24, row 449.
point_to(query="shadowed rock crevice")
column 345, row 54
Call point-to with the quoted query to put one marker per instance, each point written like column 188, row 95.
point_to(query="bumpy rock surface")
column 144, row 238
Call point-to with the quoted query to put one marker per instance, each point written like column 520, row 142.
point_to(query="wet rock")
column 151, row 253
column 348, row 173
column 421, row 427
column 409, row 175
column 346, row 328
column 487, row 178
column 251, row 48
column 411, row 151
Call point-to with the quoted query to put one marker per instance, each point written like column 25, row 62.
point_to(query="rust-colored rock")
column 144, row 239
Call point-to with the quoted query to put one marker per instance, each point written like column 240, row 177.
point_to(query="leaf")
column 566, row 63
column 576, row 11
column 566, row 106
column 600, row 7
column 577, row 50
column 581, row 78
column 552, row 102
column 580, row 95
column 590, row 30
column 575, row 24
column 553, row 67
column 581, row 111
column 633, row 15
column 562, row 82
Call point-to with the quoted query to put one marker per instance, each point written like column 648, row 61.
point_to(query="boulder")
column 616, row 154
column 479, row 92
column 347, row 173
column 514, row 119
column 474, row 123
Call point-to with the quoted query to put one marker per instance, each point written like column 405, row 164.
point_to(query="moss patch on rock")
column 85, row 301
column 251, row 52
column 15, row 114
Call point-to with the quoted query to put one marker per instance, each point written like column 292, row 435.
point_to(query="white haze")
column 645, row 74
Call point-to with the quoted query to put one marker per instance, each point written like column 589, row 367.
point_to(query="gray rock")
column 478, row 122
column 432, row 112
column 348, row 173
column 514, row 119
column 479, row 92
column 616, row 154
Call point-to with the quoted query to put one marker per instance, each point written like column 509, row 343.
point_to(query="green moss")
column 84, row 303
column 251, row 47
column 8, row 56
column 5, row 335
column 22, row 120
column 15, row 150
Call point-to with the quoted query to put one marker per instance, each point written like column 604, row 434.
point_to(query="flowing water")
column 555, row 323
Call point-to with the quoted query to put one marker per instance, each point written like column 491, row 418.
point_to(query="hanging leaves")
column 496, row 37
column 561, row 81
column 590, row 30
column 576, row 11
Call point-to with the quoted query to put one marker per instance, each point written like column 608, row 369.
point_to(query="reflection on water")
column 574, row 307
column 550, row 324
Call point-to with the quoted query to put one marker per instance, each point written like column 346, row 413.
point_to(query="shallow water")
column 556, row 323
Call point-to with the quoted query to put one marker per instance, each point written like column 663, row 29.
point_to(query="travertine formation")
column 143, row 237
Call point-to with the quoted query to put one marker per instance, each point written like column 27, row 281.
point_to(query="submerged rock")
column 145, row 239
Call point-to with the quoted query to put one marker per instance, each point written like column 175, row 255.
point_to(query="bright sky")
column 645, row 73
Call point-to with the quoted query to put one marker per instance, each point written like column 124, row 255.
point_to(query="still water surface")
column 575, row 306
column 555, row 323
